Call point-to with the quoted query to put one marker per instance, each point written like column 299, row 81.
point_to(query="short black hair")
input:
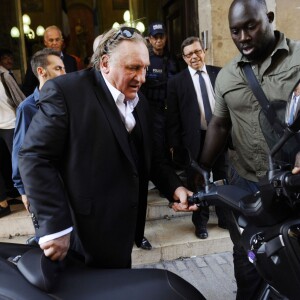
column 40, row 59
column 4, row 52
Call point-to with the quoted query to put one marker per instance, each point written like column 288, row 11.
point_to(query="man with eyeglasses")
column 190, row 105
column 87, row 156
column 52, row 39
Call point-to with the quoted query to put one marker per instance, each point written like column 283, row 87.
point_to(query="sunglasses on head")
column 126, row 32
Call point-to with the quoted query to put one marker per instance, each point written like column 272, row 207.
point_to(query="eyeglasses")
column 197, row 52
column 126, row 32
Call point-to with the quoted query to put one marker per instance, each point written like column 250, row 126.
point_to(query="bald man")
column 52, row 39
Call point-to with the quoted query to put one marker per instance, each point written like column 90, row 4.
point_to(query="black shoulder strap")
column 5, row 86
column 262, row 99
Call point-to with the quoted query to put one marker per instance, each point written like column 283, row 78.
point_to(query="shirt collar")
column 2, row 69
column 193, row 72
column 36, row 95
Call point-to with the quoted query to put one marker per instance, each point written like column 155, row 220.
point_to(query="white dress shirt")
column 125, row 106
column 7, row 114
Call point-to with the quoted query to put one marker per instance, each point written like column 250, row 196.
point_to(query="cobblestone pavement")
column 212, row 274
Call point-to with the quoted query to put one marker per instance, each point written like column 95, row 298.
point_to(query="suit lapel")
column 191, row 92
column 212, row 73
column 109, row 107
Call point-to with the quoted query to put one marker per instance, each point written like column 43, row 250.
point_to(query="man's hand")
column 25, row 202
column 181, row 194
column 296, row 169
column 57, row 249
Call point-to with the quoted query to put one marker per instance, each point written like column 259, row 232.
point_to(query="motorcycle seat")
column 36, row 277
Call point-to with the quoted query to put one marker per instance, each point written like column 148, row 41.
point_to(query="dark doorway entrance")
column 181, row 19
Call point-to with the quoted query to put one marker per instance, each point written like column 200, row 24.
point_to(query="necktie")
column 129, row 119
column 205, row 99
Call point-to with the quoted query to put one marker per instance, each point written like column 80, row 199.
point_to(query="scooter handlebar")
column 222, row 195
column 293, row 181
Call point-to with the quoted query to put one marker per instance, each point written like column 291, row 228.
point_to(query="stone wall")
column 288, row 18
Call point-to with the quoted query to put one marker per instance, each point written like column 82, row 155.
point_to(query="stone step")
column 170, row 239
column 174, row 238
column 171, row 234
column 158, row 209
column 18, row 223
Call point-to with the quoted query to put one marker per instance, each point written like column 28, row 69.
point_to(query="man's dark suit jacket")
column 183, row 113
column 31, row 82
column 77, row 148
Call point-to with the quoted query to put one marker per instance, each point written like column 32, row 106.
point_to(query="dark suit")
column 31, row 82
column 184, row 127
column 77, row 148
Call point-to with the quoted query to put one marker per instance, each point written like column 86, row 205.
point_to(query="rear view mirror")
column 181, row 156
column 292, row 115
column 288, row 145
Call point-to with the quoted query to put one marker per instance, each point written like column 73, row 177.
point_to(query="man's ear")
column 271, row 16
column 41, row 71
column 104, row 64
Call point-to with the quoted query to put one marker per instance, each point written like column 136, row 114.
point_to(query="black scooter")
column 25, row 273
column 269, row 219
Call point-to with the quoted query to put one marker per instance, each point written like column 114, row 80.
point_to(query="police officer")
column 162, row 67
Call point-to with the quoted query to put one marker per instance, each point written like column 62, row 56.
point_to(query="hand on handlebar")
column 296, row 169
column 181, row 194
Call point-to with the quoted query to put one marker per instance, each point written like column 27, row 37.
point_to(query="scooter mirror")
column 288, row 147
column 292, row 115
column 181, row 156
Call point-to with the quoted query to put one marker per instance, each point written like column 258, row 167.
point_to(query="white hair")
column 97, row 41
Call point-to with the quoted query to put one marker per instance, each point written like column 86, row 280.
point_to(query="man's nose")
column 141, row 75
column 244, row 35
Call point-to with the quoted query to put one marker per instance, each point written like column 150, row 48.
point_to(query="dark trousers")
column 6, row 184
column 248, row 280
